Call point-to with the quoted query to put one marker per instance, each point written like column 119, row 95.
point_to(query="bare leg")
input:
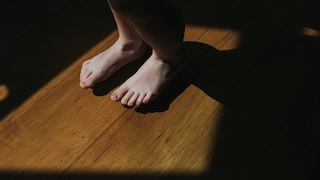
column 162, row 27
column 129, row 47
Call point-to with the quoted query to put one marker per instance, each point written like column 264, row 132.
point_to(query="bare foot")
column 105, row 64
column 147, row 82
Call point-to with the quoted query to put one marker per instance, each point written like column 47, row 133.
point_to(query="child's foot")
column 105, row 64
column 147, row 82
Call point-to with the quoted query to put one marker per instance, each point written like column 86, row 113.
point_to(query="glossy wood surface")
column 245, row 107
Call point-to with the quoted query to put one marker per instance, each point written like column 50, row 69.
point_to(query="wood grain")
column 215, row 119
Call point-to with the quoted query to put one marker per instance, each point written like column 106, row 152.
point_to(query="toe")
column 148, row 97
column 133, row 99
column 140, row 99
column 127, row 97
column 85, row 63
column 85, row 83
column 86, row 80
column 85, row 74
column 119, row 93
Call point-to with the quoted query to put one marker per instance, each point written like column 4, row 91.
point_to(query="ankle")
column 130, row 44
column 174, row 58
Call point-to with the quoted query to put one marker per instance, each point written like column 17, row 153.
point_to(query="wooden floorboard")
column 245, row 107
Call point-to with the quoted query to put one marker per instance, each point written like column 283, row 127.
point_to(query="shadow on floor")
column 271, row 123
column 270, row 127
column 40, row 39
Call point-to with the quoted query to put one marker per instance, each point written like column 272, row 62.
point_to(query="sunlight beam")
column 4, row 92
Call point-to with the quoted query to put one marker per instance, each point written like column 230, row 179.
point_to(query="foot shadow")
column 214, row 72
column 188, row 75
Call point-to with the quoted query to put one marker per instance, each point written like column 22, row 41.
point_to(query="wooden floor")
column 247, row 106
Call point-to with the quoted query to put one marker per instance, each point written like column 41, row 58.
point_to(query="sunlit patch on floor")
column 310, row 32
column 4, row 92
column 220, row 38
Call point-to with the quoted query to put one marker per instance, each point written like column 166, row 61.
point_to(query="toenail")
column 114, row 97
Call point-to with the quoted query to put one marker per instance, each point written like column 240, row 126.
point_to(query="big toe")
column 119, row 93
column 87, row 82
